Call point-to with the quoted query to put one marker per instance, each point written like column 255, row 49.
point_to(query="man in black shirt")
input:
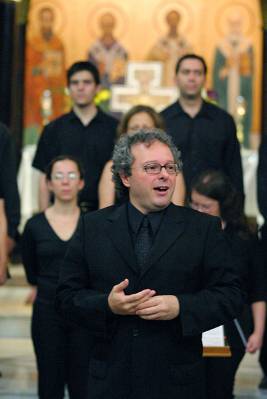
column 204, row 133
column 8, row 185
column 86, row 133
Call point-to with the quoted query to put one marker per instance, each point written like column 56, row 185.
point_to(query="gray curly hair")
column 123, row 159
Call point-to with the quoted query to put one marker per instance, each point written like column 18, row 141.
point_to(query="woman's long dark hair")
column 216, row 185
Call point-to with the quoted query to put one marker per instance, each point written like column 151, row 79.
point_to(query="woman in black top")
column 61, row 348
column 212, row 193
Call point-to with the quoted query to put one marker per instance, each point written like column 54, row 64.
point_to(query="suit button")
column 135, row 332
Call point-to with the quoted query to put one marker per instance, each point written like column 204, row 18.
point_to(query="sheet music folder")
column 214, row 344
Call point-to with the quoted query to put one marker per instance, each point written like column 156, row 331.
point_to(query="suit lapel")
column 172, row 226
column 117, row 228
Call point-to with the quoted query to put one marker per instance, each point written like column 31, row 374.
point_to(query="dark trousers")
column 220, row 374
column 62, row 353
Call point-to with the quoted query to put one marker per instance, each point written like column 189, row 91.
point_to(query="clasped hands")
column 145, row 304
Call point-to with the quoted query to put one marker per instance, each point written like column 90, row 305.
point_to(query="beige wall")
column 141, row 22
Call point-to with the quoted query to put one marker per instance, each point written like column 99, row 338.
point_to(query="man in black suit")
column 147, row 278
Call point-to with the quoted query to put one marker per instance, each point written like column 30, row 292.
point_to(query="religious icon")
column 233, row 72
column 169, row 48
column 107, row 53
column 143, row 86
column 44, row 72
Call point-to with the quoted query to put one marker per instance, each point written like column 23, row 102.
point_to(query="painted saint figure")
column 233, row 71
column 169, row 48
column 107, row 53
column 44, row 70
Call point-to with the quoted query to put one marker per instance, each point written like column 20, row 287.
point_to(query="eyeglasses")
column 61, row 176
column 155, row 168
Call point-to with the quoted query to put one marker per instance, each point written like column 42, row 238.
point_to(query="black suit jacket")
column 134, row 358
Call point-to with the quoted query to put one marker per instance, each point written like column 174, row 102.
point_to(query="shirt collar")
column 204, row 111
column 96, row 118
column 135, row 218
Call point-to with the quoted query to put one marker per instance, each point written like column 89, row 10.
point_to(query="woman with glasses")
column 61, row 348
column 213, row 193
column 137, row 118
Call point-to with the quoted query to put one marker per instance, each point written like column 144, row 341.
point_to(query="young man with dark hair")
column 204, row 133
column 83, row 66
column 85, row 132
column 191, row 57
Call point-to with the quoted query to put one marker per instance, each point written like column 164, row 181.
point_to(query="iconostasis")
column 113, row 33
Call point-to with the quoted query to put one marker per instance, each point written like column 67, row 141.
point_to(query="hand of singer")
column 160, row 307
column 123, row 304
